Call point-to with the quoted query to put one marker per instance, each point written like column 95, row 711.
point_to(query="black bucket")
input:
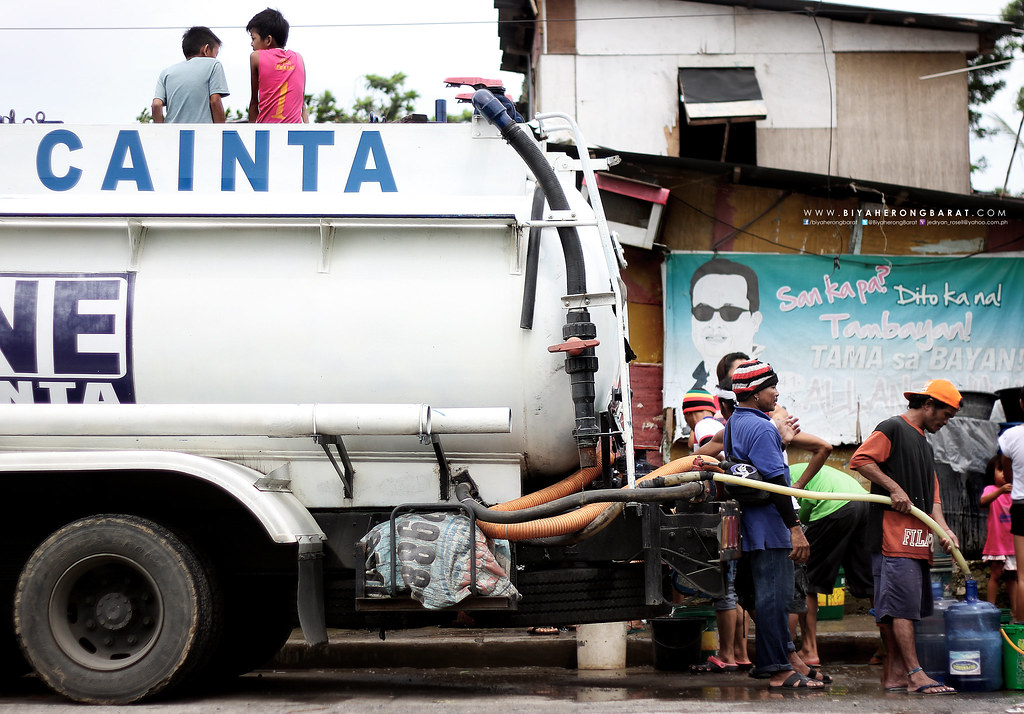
column 977, row 405
column 1010, row 399
column 677, row 642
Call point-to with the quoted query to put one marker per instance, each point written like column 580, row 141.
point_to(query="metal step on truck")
column 362, row 376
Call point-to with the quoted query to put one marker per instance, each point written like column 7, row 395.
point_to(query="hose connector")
column 492, row 110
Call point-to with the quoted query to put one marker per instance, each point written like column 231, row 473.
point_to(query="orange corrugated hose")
column 566, row 522
column 565, row 487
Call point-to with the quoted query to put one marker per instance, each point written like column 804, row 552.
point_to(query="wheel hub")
column 114, row 611
column 105, row 612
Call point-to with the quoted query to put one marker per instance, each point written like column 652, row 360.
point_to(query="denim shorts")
column 729, row 600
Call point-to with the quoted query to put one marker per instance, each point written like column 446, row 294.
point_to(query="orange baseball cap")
column 941, row 390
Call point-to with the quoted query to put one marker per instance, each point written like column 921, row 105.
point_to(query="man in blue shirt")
column 772, row 536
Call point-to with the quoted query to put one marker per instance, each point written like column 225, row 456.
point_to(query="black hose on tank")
column 580, row 367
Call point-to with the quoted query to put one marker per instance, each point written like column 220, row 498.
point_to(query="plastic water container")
column 975, row 645
column 930, row 635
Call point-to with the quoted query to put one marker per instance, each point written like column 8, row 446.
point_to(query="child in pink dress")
column 998, row 543
column 278, row 75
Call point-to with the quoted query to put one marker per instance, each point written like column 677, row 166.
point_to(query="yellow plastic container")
column 831, row 605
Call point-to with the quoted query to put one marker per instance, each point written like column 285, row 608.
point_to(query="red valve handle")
column 574, row 346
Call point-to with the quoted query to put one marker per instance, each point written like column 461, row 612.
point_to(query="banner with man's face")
column 847, row 338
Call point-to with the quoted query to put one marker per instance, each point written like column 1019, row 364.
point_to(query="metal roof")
column 821, row 185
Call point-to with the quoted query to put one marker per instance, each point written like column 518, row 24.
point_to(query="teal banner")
column 847, row 336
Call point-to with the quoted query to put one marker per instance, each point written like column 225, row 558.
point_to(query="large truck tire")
column 113, row 609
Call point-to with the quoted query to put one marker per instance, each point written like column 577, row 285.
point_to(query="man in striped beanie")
column 772, row 536
column 751, row 377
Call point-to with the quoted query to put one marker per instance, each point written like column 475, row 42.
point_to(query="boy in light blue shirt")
column 191, row 90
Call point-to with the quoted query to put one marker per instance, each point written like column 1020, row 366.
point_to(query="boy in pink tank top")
column 278, row 75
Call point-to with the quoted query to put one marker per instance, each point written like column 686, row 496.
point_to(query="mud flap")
column 311, row 591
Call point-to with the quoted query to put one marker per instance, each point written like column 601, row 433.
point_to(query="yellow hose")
column 1010, row 642
column 821, row 496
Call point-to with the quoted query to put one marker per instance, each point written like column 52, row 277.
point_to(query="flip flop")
column 794, row 681
column 924, row 689
column 745, row 665
column 543, row 631
column 813, row 672
column 716, row 665
column 896, row 689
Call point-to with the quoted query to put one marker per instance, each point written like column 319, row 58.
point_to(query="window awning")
column 720, row 94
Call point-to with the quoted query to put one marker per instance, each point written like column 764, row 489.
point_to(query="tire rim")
column 105, row 612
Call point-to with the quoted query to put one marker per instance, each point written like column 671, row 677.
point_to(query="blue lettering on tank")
column 66, row 338
column 18, row 333
column 186, row 159
column 310, row 141
column 234, row 153
column 370, row 142
column 44, row 160
column 128, row 142
column 71, row 322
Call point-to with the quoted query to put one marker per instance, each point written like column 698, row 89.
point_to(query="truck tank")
column 327, row 264
column 232, row 357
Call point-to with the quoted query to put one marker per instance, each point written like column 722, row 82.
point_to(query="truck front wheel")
column 113, row 609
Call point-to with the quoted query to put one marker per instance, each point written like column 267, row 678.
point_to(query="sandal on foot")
column 716, row 665
column 794, row 681
column 744, row 666
column 543, row 631
column 813, row 672
column 942, row 689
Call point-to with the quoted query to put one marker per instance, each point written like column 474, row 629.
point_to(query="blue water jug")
column 930, row 632
column 974, row 642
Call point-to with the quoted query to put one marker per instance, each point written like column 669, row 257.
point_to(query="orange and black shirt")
column 902, row 452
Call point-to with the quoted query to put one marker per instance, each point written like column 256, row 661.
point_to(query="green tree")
column 324, row 108
column 983, row 83
column 387, row 101
column 234, row 115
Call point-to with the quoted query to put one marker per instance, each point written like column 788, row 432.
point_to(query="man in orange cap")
column 898, row 461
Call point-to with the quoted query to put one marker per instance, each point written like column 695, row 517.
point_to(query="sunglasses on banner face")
column 729, row 313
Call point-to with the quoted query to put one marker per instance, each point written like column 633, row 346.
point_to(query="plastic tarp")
column 433, row 565
column 963, row 449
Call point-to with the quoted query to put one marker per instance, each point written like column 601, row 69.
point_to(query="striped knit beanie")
column 697, row 400
column 751, row 377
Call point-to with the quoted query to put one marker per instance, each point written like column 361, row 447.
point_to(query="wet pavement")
column 457, row 669
column 851, row 640
column 538, row 690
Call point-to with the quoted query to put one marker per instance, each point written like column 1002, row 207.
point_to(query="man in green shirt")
column 837, row 533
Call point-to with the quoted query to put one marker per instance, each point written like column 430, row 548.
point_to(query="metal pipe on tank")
column 277, row 420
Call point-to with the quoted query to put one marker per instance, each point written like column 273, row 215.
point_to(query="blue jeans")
column 772, row 572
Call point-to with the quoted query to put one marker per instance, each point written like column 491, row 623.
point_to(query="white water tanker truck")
column 230, row 354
